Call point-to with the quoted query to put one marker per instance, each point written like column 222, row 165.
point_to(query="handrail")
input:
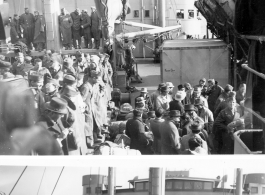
column 238, row 133
column 255, row 114
column 253, row 37
column 245, row 66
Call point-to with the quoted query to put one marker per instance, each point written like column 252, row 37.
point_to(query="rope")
column 18, row 180
column 41, row 180
column 57, row 180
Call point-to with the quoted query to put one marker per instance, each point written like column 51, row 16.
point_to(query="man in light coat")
column 170, row 138
column 205, row 114
column 65, row 24
column 95, row 26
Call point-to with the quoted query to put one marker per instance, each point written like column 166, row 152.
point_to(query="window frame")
column 136, row 11
column 192, row 185
column 88, row 189
column 144, row 186
column 148, row 11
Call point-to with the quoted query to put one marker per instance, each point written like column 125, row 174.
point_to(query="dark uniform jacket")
column 176, row 105
column 86, row 22
column 135, row 129
column 213, row 96
column 76, row 21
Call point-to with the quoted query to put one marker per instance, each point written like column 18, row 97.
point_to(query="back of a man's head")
column 194, row 142
column 159, row 113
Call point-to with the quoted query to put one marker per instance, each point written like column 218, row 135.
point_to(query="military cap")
column 58, row 105
column 228, row 88
column 174, row 113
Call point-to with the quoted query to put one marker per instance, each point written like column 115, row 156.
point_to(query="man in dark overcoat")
column 135, row 129
column 95, row 26
column 27, row 22
column 76, row 28
column 86, row 29
column 15, row 31
column 39, row 33
column 65, row 24
column 213, row 92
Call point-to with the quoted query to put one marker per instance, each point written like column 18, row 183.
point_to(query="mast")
column 239, row 181
column 111, row 181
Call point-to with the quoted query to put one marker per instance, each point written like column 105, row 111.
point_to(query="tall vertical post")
column 111, row 181
column 239, row 181
column 51, row 13
column 235, row 64
column 162, row 13
column 142, row 21
column 156, row 181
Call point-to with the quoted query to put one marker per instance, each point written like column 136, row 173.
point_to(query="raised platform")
column 63, row 52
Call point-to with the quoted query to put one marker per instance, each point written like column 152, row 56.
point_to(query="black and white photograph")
column 131, row 78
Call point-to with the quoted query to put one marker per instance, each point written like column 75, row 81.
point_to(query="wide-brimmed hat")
column 126, row 108
column 69, row 79
column 140, row 105
column 189, row 107
column 57, row 105
column 69, row 92
column 140, row 99
column 174, row 113
column 165, row 89
column 180, row 95
column 70, row 103
column 161, row 85
column 143, row 90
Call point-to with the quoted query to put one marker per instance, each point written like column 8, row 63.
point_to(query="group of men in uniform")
column 79, row 24
column 70, row 97
column 30, row 29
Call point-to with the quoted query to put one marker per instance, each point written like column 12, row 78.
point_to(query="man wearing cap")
column 155, row 94
column 51, row 119
column 76, row 28
column 18, row 65
column 197, row 94
column 27, row 21
column 15, row 31
column 225, row 144
column 56, row 72
column 171, row 88
column 155, row 126
column 213, row 92
column 108, row 70
column 50, row 90
column 86, row 29
column 77, row 107
column 163, row 100
column 144, row 94
column 224, row 104
column 196, row 128
column 36, row 84
column 139, row 105
column 95, row 26
column 125, row 109
column 38, row 69
column 206, row 114
column 93, row 94
column 224, row 95
column 176, row 104
column 188, row 90
column 65, row 24
column 170, row 138
column 135, row 129
column 68, row 67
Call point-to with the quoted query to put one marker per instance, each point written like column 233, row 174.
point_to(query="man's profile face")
column 63, row 11
column 26, row 10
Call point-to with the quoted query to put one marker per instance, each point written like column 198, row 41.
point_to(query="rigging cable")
column 41, row 180
column 18, row 180
column 57, row 180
